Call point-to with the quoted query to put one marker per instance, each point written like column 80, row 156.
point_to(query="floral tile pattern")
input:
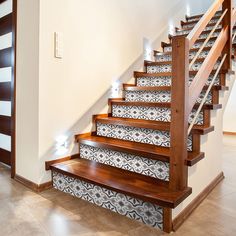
column 133, row 208
column 145, row 166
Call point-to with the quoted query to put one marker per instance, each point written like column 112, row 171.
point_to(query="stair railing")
column 183, row 95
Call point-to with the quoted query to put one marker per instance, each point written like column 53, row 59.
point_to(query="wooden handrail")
column 207, row 39
column 183, row 96
column 201, row 25
column 206, row 68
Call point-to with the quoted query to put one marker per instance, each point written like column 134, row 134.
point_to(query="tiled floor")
column 24, row 213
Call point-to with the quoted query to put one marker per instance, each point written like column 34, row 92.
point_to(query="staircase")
column 136, row 162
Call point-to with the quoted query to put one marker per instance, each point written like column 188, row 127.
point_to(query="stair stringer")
column 206, row 171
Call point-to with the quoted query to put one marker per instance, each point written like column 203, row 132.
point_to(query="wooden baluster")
column 179, row 113
column 227, row 22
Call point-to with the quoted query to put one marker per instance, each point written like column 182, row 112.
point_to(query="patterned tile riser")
column 168, row 68
column 149, row 113
column 122, row 204
column 196, row 45
column 188, row 31
column 141, row 165
column 166, row 81
column 157, row 96
column 162, row 58
column 139, row 135
column 192, row 25
column 198, row 18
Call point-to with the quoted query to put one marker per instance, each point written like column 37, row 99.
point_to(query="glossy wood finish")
column 196, row 21
column 139, row 149
column 206, row 68
column 179, row 113
column 6, row 24
column 204, row 21
column 5, row 125
column 155, row 125
column 198, row 16
column 5, row 156
column 60, row 160
column 134, row 87
column 132, row 184
column 122, row 102
column 6, row 57
column 227, row 24
column 145, row 74
column 5, row 91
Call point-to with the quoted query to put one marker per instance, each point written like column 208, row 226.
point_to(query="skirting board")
column 229, row 133
column 179, row 220
column 31, row 185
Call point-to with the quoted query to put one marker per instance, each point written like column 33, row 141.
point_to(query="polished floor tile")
column 52, row 213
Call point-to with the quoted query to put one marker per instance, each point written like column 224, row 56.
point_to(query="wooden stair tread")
column 205, row 31
column 161, row 104
column 170, row 53
column 164, row 44
column 200, row 15
column 133, row 87
column 156, row 125
column 140, row 149
column 132, row 184
column 138, row 74
column 196, row 21
column 159, row 63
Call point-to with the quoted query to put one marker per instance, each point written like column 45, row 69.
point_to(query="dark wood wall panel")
column 5, row 125
column 6, row 57
column 5, row 156
column 6, row 24
column 1, row 1
column 5, row 91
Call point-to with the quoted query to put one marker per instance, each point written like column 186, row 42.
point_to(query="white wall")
column 200, row 175
column 103, row 43
column 27, row 90
column 229, row 124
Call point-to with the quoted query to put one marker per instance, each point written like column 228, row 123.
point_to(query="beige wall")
column 204, row 172
column 229, row 124
column 103, row 43
column 27, row 94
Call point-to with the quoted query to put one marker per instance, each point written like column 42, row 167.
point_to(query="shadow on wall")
column 101, row 104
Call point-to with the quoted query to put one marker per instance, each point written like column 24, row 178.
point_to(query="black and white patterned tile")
column 183, row 32
column 166, row 81
column 198, row 18
column 168, row 68
column 163, row 58
column 141, row 165
column 122, row 204
column 150, row 113
column 192, row 25
column 157, row 96
column 147, row 96
column 154, row 81
column 139, row 135
column 159, row 68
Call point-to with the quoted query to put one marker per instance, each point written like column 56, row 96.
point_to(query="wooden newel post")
column 227, row 22
column 179, row 113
